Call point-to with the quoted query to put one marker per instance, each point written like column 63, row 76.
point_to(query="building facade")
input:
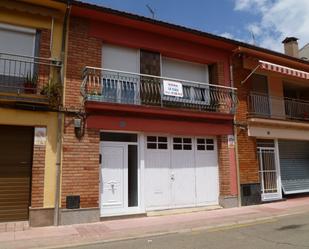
column 272, row 123
column 156, row 108
column 30, row 50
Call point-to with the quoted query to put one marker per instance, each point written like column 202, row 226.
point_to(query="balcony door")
column 188, row 72
column 259, row 98
column 17, row 48
column 120, row 84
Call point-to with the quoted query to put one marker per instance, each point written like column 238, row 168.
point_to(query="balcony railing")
column 104, row 85
column 25, row 77
column 262, row 105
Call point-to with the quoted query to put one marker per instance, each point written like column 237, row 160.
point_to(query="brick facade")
column 43, row 52
column 37, row 185
column 80, row 163
column 248, row 163
column 224, row 166
column 227, row 168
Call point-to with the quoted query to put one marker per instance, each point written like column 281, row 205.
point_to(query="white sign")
column 172, row 88
column 231, row 141
column 39, row 135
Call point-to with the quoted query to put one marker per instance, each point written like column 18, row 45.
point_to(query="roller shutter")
column 15, row 172
column 294, row 165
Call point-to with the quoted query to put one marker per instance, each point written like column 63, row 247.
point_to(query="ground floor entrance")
column 284, row 167
column 143, row 172
column 16, row 145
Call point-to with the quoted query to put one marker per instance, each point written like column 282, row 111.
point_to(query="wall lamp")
column 79, row 126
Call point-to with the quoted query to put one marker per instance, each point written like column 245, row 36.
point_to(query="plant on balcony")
column 30, row 83
column 95, row 95
column 53, row 91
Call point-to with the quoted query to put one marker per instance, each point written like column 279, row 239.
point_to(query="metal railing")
column 105, row 85
column 263, row 105
column 24, row 74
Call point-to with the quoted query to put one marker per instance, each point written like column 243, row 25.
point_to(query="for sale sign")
column 172, row 88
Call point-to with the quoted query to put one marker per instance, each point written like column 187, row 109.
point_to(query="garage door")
column 294, row 165
column 15, row 172
column 180, row 172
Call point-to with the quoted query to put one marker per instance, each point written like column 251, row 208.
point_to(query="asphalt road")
column 284, row 233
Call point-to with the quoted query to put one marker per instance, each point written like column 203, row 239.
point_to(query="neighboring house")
column 304, row 52
column 272, row 122
column 159, row 106
column 30, row 46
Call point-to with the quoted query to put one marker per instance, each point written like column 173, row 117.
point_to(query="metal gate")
column 268, row 173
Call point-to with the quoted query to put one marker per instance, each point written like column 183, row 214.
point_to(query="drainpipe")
column 60, row 119
column 235, row 137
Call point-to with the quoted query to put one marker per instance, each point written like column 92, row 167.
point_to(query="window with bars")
column 157, row 142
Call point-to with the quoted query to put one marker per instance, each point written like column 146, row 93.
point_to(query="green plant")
column 53, row 90
column 30, row 83
column 95, row 93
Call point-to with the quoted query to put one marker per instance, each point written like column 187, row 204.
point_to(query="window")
column 205, row 144
column 154, row 142
column 182, row 143
column 118, row 137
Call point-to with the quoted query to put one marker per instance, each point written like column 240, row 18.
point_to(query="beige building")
column 304, row 52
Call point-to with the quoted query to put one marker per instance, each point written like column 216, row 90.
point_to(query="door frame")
column 140, row 180
column 276, row 195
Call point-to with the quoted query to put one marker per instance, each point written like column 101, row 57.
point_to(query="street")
column 284, row 233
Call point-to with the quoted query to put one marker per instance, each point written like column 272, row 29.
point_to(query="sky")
column 264, row 23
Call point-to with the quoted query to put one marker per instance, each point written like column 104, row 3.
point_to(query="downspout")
column 60, row 118
column 236, row 139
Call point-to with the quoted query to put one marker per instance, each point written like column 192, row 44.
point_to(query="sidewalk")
column 58, row 237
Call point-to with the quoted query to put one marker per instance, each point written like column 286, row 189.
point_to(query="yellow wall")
column 17, row 13
column 26, row 19
column 49, row 120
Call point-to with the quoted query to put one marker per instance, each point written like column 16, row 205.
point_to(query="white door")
column 157, row 172
column 114, row 175
column 183, row 172
column 207, row 175
column 180, row 172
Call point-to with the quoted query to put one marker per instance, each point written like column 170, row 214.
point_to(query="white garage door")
column 180, row 172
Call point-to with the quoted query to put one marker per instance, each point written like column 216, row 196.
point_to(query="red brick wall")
column 38, row 169
column 225, row 167
column 248, row 164
column 83, row 50
column 44, row 52
column 80, row 162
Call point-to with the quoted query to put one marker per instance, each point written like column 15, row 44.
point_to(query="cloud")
column 277, row 20
column 248, row 4
column 227, row 35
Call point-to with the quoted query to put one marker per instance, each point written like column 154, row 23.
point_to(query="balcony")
column 264, row 106
column 111, row 86
column 25, row 79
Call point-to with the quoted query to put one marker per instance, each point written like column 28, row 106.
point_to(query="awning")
column 284, row 70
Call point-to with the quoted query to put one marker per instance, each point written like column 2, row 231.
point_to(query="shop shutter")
column 294, row 165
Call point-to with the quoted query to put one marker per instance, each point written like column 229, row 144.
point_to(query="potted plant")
column 30, row 83
column 95, row 95
column 53, row 91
